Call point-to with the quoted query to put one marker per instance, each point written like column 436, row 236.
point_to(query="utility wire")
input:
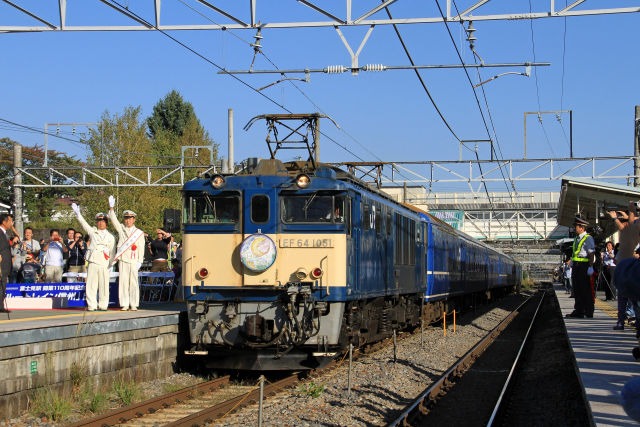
column 81, row 143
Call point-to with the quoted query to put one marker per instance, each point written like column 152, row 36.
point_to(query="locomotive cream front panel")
column 304, row 257
column 215, row 253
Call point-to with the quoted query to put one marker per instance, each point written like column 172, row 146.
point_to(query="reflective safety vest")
column 576, row 250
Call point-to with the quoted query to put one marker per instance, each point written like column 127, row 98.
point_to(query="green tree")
column 174, row 124
column 171, row 114
column 120, row 139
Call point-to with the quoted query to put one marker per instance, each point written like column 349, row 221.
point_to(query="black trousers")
column 582, row 288
column 3, row 289
column 605, row 282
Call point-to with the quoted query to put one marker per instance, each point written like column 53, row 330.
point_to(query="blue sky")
column 76, row 76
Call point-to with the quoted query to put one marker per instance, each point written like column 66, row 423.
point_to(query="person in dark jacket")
column 6, row 224
column 77, row 251
column 159, row 249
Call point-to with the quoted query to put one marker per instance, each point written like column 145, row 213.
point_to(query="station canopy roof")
column 587, row 197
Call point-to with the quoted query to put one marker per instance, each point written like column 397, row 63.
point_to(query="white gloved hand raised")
column 112, row 201
column 75, row 208
column 589, row 271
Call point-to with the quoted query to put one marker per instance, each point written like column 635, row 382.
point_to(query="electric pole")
column 636, row 148
column 17, row 187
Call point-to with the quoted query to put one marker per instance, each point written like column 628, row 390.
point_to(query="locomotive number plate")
column 306, row 243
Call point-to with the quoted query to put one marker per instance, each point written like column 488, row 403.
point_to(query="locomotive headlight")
column 203, row 273
column 316, row 273
column 218, row 181
column 303, row 180
column 301, row 273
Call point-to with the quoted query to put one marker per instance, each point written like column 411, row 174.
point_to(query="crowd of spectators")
column 48, row 259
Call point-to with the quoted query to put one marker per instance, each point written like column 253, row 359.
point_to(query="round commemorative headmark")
column 258, row 252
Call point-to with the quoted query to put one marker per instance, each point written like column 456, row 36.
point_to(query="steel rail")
column 121, row 415
column 212, row 413
column 515, row 363
column 462, row 365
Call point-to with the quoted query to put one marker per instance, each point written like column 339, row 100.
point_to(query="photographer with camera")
column 17, row 258
column 54, row 256
column 608, row 267
column 629, row 230
column 77, row 251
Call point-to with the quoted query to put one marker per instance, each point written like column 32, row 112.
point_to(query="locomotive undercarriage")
column 289, row 330
column 296, row 332
column 368, row 321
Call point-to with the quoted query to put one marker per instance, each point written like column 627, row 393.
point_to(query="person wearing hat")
column 582, row 259
column 100, row 252
column 130, row 256
column 30, row 270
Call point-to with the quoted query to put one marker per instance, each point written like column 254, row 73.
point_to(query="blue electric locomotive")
column 285, row 264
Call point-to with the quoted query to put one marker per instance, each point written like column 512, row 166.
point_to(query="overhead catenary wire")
column 493, row 128
column 422, row 83
column 316, row 106
column 564, row 51
column 214, row 64
column 475, row 94
column 535, row 74
column 303, row 93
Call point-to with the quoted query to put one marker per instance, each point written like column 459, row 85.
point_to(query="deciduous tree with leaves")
column 39, row 202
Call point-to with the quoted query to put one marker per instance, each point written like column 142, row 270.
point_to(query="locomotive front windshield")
column 313, row 208
column 209, row 209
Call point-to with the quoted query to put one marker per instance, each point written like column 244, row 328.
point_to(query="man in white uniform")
column 99, row 253
column 130, row 255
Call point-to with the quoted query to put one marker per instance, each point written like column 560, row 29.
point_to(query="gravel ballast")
column 380, row 388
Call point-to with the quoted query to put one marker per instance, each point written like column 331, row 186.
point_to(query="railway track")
column 218, row 397
column 420, row 411
column 122, row 415
column 213, row 400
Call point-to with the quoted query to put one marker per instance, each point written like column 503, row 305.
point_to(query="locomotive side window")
column 341, row 209
column 260, row 209
column 389, row 224
column 398, row 239
column 208, row 209
column 366, row 217
column 378, row 219
column 411, row 242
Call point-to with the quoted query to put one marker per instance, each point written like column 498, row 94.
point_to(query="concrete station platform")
column 50, row 347
column 603, row 356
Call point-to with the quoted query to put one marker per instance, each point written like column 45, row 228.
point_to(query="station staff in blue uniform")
column 582, row 259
